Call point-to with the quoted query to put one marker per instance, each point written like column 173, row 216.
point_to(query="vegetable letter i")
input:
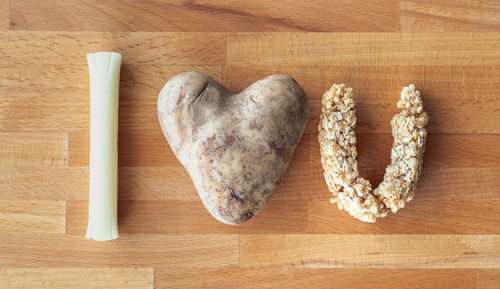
column 104, row 72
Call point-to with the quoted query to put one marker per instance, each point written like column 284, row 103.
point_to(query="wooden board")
column 447, row 237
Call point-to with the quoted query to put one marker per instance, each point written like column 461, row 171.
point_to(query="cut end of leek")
column 104, row 73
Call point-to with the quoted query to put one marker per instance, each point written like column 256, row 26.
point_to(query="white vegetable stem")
column 104, row 71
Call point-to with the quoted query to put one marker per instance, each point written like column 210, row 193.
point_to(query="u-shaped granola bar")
column 338, row 154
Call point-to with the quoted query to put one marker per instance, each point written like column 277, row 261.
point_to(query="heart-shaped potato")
column 235, row 147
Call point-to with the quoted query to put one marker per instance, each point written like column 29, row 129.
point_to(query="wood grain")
column 31, row 250
column 450, row 15
column 489, row 279
column 447, row 237
column 164, row 48
column 59, row 99
column 449, row 102
column 33, row 149
column 176, row 15
column 376, row 83
column 357, row 49
column 173, row 183
column 4, row 14
column 191, row 217
column 135, row 149
column 136, row 81
column 32, row 216
column 45, row 111
column 315, row 278
column 448, row 150
column 147, row 183
column 449, row 154
column 380, row 251
column 106, row 278
column 26, row 183
column 418, row 217
column 442, row 184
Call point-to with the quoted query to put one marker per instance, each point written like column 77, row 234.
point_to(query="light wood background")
column 447, row 237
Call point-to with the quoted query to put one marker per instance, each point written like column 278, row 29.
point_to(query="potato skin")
column 236, row 147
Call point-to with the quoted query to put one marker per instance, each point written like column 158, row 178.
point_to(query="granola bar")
column 337, row 141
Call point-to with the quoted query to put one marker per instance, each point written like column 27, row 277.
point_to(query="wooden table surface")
column 447, row 237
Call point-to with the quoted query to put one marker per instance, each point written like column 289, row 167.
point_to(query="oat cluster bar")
column 338, row 154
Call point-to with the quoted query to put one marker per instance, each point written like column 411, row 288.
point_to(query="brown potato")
column 236, row 147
